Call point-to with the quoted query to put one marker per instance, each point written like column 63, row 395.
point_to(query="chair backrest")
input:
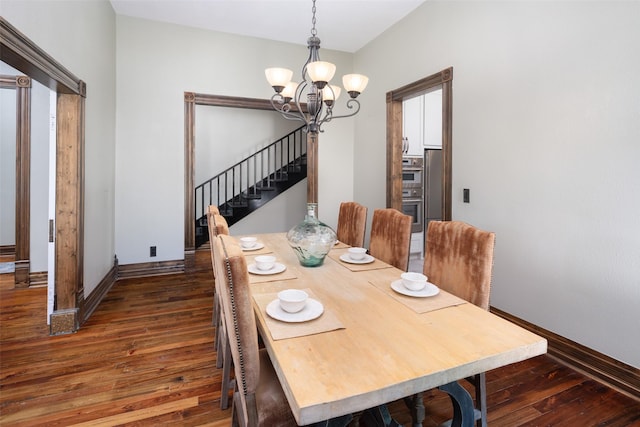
column 390, row 239
column 235, row 298
column 217, row 225
column 459, row 259
column 220, row 225
column 213, row 209
column 352, row 223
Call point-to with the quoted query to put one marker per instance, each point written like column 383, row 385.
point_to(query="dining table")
column 363, row 340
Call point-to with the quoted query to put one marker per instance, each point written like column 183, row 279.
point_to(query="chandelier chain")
column 314, row 33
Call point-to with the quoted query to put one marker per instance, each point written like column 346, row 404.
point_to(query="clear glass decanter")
column 311, row 240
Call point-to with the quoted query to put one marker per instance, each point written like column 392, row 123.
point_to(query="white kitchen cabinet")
column 422, row 123
column 412, row 126
column 432, row 125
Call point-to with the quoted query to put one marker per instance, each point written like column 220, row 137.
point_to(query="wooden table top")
column 386, row 350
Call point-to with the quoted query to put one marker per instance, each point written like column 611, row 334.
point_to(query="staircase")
column 249, row 184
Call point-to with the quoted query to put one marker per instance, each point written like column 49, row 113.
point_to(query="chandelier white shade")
column 314, row 89
column 278, row 77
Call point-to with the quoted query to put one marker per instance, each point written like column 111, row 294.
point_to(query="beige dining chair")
column 213, row 209
column 217, row 225
column 258, row 398
column 390, row 239
column 352, row 224
column 459, row 259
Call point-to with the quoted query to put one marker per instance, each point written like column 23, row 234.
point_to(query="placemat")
column 280, row 330
column 340, row 245
column 420, row 305
column 375, row 265
column 261, row 251
column 287, row 274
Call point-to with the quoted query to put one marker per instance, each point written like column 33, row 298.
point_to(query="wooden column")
column 69, row 214
column 189, row 177
column 23, row 181
column 394, row 152
column 312, row 168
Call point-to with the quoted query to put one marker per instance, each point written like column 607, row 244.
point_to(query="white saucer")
column 254, row 247
column 277, row 268
column 428, row 291
column 312, row 310
column 366, row 260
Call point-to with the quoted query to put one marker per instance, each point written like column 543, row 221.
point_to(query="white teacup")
column 248, row 242
column 357, row 254
column 292, row 300
column 414, row 281
column 265, row 262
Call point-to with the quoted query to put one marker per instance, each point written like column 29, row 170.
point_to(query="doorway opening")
column 399, row 149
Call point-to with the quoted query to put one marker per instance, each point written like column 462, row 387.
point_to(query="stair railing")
column 252, row 175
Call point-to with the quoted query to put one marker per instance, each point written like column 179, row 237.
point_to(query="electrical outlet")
column 152, row 251
column 465, row 195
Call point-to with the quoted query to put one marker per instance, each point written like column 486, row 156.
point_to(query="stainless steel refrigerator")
column 432, row 187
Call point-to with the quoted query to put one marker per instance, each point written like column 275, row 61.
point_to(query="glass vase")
column 311, row 239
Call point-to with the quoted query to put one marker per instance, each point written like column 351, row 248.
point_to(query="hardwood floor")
column 146, row 357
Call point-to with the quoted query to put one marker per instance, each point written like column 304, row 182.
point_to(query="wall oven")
column 413, row 208
column 412, row 172
column 413, row 191
column 411, row 178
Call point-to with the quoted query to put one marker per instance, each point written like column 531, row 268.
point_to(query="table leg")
column 463, row 415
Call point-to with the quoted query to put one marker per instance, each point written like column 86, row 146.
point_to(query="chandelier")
column 315, row 88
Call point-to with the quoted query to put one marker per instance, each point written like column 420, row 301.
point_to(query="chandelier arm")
column 350, row 106
column 285, row 109
column 298, row 95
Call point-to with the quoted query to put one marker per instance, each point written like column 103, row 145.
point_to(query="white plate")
column 366, row 260
column 312, row 310
column 255, row 247
column 277, row 268
column 428, row 291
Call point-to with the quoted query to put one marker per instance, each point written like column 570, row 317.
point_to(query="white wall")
column 81, row 36
column 156, row 64
column 39, row 209
column 39, row 168
column 546, row 131
column 7, row 162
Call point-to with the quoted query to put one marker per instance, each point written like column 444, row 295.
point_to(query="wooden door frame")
column 24, row 55
column 394, row 137
column 22, row 86
column 191, row 99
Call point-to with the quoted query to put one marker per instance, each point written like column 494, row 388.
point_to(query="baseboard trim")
column 7, row 250
column 617, row 375
column 146, row 269
column 95, row 297
column 38, row 278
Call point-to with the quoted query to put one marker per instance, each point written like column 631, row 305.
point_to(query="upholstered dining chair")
column 213, row 209
column 217, row 225
column 459, row 259
column 390, row 238
column 258, row 399
column 352, row 223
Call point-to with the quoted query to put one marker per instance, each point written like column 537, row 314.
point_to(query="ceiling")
column 345, row 25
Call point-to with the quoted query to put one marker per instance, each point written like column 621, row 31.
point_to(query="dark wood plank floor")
column 146, row 357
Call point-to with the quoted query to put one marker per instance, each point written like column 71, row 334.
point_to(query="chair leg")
column 217, row 322
column 480, row 383
column 415, row 404
column 378, row 417
column 225, row 383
